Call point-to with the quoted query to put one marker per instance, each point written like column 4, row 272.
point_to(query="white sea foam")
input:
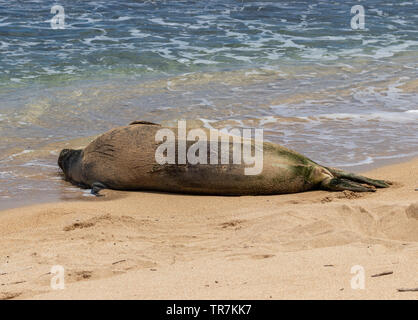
column 87, row 19
column 206, row 102
column 237, row 57
column 138, row 34
column 383, row 116
column 125, row 18
column 164, row 23
column 37, row 164
column 207, row 123
column 30, row 77
column 269, row 119
column 89, row 41
column 370, row 160
column 15, row 155
column 391, row 50
column 21, row 153
column 166, row 53
column 202, row 61
column 367, row 160
column 6, row 174
column 51, row 71
column 4, row 45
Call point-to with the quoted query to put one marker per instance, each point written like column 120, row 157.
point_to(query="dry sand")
column 137, row 245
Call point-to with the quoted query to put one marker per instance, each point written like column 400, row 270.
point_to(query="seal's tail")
column 349, row 181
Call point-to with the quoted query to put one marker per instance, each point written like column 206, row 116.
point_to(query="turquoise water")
column 297, row 69
column 163, row 37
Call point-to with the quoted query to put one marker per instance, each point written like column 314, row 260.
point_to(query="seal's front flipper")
column 357, row 178
column 339, row 184
column 96, row 187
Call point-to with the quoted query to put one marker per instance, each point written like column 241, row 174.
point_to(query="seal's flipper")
column 357, row 178
column 339, row 184
column 96, row 187
column 144, row 122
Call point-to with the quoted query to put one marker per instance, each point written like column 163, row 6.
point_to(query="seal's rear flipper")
column 96, row 187
column 357, row 178
column 338, row 184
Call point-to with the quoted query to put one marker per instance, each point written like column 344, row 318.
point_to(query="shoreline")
column 144, row 245
column 9, row 204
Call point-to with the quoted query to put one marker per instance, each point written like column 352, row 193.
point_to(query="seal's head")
column 67, row 159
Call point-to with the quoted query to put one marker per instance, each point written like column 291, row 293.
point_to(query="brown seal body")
column 124, row 158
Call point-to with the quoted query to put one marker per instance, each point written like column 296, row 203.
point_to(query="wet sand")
column 138, row 245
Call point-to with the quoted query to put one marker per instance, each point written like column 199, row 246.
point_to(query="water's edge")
column 5, row 206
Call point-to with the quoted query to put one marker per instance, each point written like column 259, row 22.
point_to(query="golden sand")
column 139, row 245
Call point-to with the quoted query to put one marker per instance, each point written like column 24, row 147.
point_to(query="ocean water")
column 344, row 97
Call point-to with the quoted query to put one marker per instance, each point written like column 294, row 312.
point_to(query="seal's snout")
column 63, row 158
column 69, row 162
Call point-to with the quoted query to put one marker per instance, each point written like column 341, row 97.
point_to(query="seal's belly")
column 218, row 179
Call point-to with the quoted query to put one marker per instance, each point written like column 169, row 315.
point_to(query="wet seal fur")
column 124, row 159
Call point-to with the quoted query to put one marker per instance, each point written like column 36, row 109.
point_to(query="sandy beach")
column 139, row 245
column 335, row 81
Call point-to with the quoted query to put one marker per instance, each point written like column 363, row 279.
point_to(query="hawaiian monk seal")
column 125, row 159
